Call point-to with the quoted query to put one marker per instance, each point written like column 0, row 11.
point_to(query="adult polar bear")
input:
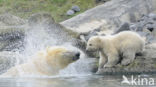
column 47, row 62
column 125, row 44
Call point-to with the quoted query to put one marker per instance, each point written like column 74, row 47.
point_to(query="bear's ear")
column 48, row 50
column 98, row 39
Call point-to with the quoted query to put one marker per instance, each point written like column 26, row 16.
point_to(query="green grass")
column 57, row 8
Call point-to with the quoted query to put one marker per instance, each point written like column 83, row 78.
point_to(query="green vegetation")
column 57, row 8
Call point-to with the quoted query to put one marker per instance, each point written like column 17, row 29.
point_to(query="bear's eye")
column 90, row 44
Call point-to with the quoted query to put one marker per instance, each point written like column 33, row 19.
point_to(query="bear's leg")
column 112, row 61
column 102, row 61
column 128, row 57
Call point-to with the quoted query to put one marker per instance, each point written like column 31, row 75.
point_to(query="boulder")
column 152, row 16
column 75, row 8
column 111, row 14
column 70, row 12
column 124, row 27
column 100, row 1
column 10, row 20
column 11, row 32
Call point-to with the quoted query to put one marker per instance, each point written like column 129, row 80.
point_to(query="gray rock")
column 151, row 46
column 144, row 17
column 99, row 1
column 11, row 32
column 140, row 26
column 89, row 34
column 123, row 27
column 153, row 16
column 75, row 8
column 110, row 12
column 154, row 33
column 70, row 12
column 8, row 19
column 133, row 27
column 150, row 27
column 11, row 41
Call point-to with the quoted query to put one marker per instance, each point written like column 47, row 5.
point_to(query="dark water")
column 74, row 81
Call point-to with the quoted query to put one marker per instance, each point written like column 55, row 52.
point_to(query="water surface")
column 67, row 81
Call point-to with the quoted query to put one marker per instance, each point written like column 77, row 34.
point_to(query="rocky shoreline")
column 144, row 63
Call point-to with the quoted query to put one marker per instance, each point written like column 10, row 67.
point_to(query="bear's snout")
column 77, row 56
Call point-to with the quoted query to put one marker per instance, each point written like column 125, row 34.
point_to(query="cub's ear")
column 98, row 39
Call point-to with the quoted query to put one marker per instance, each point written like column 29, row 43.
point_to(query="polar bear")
column 111, row 47
column 47, row 62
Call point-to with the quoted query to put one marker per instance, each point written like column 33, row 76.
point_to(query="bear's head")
column 60, row 57
column 93, row 43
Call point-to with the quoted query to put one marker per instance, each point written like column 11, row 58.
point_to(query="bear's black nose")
column 77, row 54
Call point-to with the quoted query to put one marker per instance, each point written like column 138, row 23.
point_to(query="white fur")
column 125, row 44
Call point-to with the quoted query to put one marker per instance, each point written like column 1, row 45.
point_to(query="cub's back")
column 128, row 35
column 129, row 39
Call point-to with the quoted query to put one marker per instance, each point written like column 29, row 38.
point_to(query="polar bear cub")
column 124, row 44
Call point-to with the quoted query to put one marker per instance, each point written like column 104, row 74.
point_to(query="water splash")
column 43, row 32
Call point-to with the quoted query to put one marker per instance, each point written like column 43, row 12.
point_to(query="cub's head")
column 60, row 57
column 93, row 43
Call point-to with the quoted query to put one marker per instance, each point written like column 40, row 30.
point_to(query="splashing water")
column 44, row 34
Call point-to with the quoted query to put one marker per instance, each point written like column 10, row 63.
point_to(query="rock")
column 114, row 16
column 151, row 46
column 154, row 31
column 75, row 8
column 11, row 32
column 123, row 27
column 133, row 27
column 152, row 16
column 144, row 18
column 146, row 27
column 11, row 41
column 70, row 12
column 99, row 1
column 8, row 20
column 150, row 51
column 150, row 27
column 147, row 36
column 140, row 26
column 87, row 35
